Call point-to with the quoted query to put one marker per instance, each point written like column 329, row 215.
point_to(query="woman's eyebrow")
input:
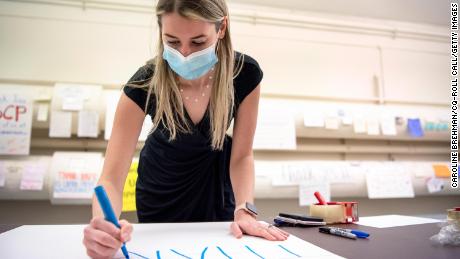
column 196, row 37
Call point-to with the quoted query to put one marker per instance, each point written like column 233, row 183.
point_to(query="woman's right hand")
column 102, row 239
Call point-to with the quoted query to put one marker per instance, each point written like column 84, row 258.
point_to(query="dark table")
column 7, row 227
column 408, row 242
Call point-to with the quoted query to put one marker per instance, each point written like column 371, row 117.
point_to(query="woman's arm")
column 127, row 126
column 242, row 159
column 101, row 238
column 242, row 171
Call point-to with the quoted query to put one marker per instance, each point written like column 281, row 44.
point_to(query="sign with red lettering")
column 74, row 175
column 15, row 123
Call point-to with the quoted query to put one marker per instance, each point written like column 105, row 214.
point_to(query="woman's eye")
column 173, row 42
column 198, row 43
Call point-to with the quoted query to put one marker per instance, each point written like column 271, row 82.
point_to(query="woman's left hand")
column 244, row 223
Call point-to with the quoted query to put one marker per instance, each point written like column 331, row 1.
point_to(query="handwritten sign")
column 33, row 175
column 15, row 123
column 75, row 174
column 129, row 191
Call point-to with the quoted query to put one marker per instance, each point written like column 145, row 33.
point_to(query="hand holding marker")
column 108, row 212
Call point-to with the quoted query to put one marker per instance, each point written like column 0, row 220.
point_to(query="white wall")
column 55, row 43
column 311, row 56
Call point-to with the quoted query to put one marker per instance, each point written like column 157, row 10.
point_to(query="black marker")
column 337, row 232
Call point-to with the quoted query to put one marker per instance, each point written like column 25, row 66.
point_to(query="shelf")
column 328, row 144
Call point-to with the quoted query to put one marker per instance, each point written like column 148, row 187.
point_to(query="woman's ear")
column 223, row 28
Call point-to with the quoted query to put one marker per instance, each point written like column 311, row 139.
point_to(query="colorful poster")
column 441, row 171
column 33, row 175
column 129, row 191
column 15, row 123
column 75, row 174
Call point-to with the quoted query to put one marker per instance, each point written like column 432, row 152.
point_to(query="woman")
column 189, row 169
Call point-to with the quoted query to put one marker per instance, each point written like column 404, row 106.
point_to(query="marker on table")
column 358, row 233
column 108, row 212
column 337, row 232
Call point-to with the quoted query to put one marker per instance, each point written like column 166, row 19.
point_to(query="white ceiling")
column 435, row 12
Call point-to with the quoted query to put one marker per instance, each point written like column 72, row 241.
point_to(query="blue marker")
column 108, row 212
column 358, row 233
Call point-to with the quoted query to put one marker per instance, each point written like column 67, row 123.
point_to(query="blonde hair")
column 169, row 108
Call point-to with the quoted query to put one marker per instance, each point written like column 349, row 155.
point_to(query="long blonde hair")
column 170, row 110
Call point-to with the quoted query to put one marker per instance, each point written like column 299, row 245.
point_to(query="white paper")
column 420, row 169
column 111, row 101
column 307, row 192
column 15, row 122
column 332, row 123
column 346, row 117
column 292, row 174
column 42, row 113
column 334, row 172
column 275, row 128
column 388, row 125
column 267, row 169
column 72, row 96
column 194, row 240
column 75, row 174
column 75, row 97
column 359, row 125
column 388, row 221
column 2, row 173
column 434, row 185
column 88, row 124
column 146, row 128
column 72, row 103
column 373, row 127
column 43, row 94
column 61, row 124
column 313, row 119
column 354, row 172
column 11, row 171
column 33, row 175
column 388, row 180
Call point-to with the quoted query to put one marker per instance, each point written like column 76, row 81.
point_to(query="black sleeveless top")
column 184, row 180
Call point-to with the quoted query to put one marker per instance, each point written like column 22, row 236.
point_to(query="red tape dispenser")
column 335, row 212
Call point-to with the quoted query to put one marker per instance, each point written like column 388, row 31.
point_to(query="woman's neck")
column 195, row 83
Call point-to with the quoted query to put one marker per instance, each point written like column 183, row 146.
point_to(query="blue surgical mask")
column 194, row 65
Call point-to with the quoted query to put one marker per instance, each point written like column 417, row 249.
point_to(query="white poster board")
column 165, row 241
